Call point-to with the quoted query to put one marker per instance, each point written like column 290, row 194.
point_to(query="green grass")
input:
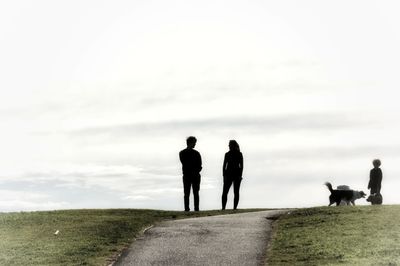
column 346, row 235
column 87, row 237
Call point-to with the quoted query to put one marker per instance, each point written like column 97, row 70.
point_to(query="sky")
column 98, row 97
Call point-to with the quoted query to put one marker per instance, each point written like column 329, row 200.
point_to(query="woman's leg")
column 236, row 187
column 227, row 186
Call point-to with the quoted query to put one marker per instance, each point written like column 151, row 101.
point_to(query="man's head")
column 191, row 142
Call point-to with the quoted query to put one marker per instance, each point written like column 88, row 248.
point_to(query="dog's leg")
column 353, row 202
column 330, row 201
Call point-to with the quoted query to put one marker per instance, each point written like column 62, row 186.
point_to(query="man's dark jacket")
column 191, row 162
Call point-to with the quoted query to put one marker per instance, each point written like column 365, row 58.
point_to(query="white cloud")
column 19, row 200
column 137, row 198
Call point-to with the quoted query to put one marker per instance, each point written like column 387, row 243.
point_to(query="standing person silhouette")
column 191, row 167
column 375, row 178
column 232, row 171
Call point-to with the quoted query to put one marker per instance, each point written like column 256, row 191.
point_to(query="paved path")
column 236, row 239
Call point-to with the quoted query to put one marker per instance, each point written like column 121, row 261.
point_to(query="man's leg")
column 186, row 191
column 227, row 186
column 236, row 187
column 196, row 188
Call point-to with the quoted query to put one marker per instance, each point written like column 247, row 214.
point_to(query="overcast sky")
column 97, row 98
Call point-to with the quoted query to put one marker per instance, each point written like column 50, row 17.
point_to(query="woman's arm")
column 224, row 166
column 241, row 164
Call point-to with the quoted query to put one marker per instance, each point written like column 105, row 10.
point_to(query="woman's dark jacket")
column 233, row 165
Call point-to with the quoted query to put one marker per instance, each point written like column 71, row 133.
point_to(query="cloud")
column 85, row 186
column 12, row 200
column 128, row 182
column 335, row 152
column 114, row 177
column 137, row 198
column 270, row 124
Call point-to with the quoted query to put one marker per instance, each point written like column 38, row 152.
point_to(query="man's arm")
column 199, row 162
column 180, row 156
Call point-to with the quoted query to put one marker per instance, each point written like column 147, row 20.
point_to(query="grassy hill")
column 86, row 237
column 345, row 235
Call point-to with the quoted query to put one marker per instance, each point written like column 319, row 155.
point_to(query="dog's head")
column 359, row 194
column 362, row 194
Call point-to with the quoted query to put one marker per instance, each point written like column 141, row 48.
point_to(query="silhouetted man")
column 191, row 167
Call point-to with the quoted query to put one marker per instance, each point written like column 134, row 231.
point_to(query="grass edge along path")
column 86, row 237
column 345, row 235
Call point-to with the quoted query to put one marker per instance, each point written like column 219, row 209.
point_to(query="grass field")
column 346, row 235
column 86, row 237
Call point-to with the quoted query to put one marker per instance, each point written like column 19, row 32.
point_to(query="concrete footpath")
column 236, row 239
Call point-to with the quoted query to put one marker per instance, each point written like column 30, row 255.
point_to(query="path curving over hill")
column 236, row 239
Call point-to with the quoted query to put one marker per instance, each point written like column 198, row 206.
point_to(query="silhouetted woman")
column 232, row 171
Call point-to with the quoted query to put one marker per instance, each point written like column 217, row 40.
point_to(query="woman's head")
column 376, row 163
column 233, row 145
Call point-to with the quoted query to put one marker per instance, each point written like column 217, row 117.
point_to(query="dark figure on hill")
column 232, row 171
column 191, row 167
column 375, row 181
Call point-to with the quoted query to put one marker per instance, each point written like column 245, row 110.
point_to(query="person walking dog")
column 375, row 182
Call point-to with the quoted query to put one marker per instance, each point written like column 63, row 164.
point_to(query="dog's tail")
column 329, row 185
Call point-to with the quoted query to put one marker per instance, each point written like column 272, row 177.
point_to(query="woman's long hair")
column 233, row 145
